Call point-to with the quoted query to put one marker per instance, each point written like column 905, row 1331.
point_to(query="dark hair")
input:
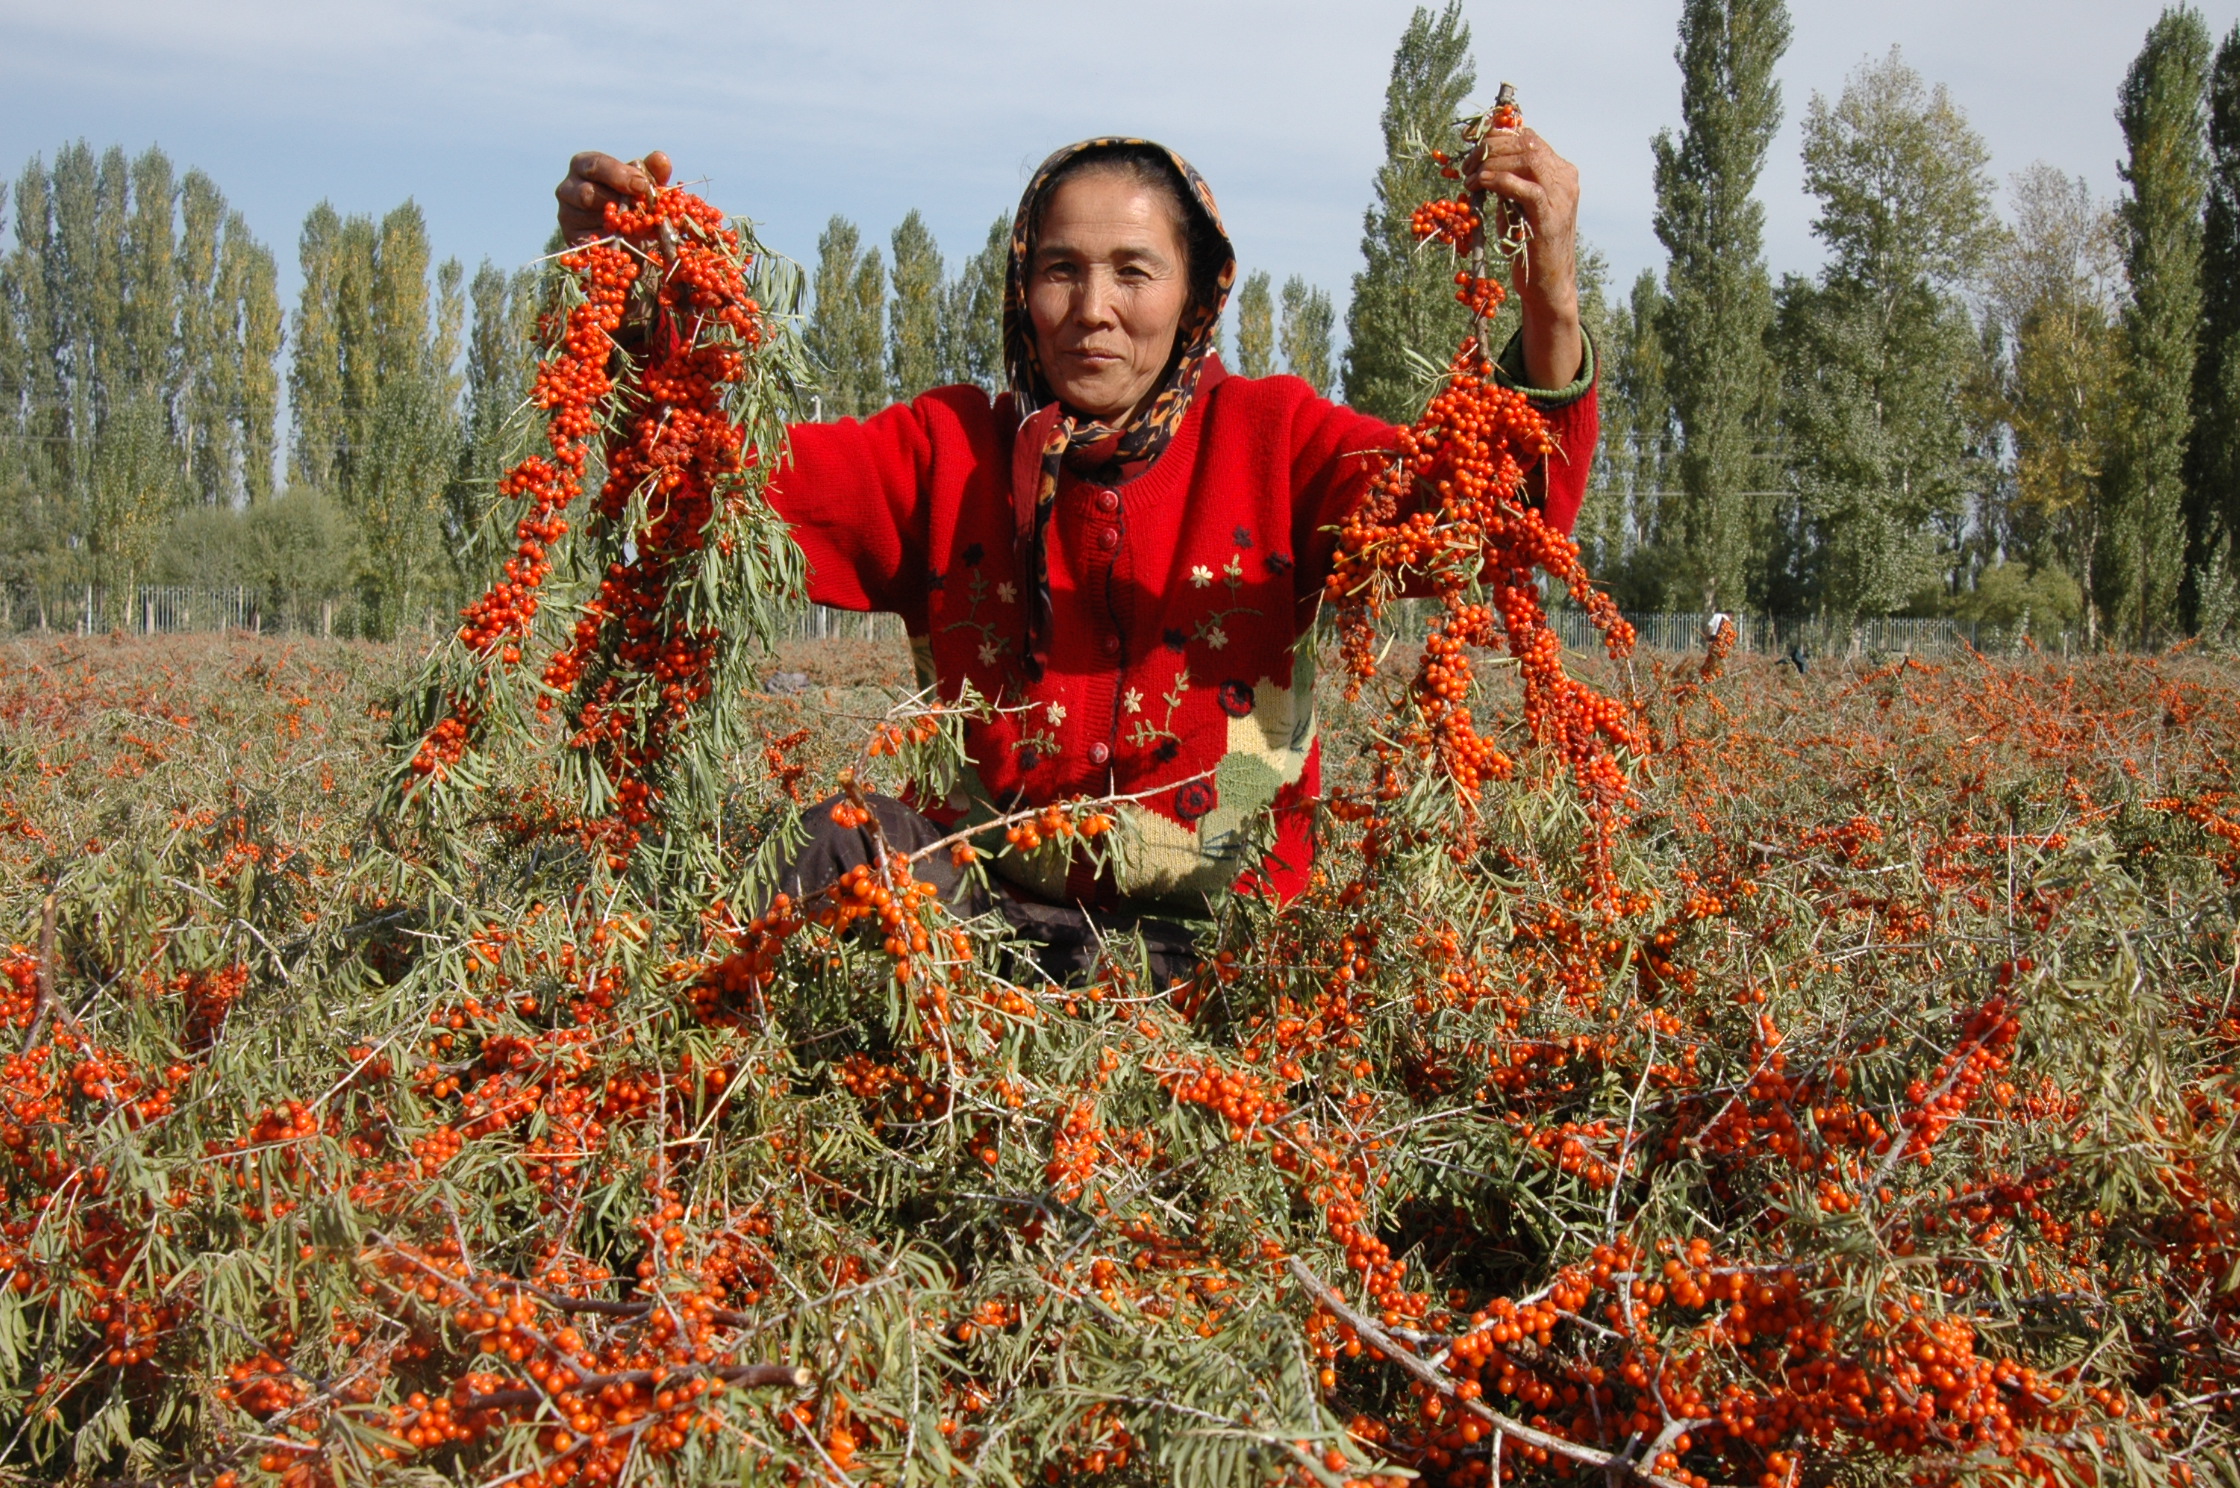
column 1203, row 247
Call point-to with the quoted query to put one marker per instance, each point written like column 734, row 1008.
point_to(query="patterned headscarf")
column 1075, row 439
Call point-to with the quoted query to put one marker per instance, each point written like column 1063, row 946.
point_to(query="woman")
column 1126, row 549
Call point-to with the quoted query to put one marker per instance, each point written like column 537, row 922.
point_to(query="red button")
column 1108, row 501
column 1110, row 645
column 1109, row 539
column 1100, row 753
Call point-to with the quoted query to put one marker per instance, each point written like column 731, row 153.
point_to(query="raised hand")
column 594, row 179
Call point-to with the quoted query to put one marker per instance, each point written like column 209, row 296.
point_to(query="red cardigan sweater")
column 1181, row 661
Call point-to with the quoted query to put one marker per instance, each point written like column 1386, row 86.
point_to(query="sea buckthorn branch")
column 1620, row 1468
column 1447, row 514
column 681, row 567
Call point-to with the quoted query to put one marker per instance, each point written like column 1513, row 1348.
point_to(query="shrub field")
column 1881, row 1127
column 1677, row 1072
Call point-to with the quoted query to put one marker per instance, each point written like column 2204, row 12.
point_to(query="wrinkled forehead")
column 1111, row 212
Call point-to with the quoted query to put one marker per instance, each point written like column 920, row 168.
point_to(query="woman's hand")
column 594, row 180
column 1542, row 188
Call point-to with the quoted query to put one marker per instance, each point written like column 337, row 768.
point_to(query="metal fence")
column 152, row 609
column 1777, row 635
column 171, row 609
column 1774, row 635
column 820, row 623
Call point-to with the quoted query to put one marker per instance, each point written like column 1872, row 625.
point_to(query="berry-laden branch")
column 1618, row 1467
column 659, row 353
column 1448, row 517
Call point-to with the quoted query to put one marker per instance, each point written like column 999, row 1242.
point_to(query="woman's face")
column 1106, row 289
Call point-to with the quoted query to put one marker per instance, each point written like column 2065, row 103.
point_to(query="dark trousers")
column 1061, row 942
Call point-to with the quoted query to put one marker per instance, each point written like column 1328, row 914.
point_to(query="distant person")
column 1125, row 547
column 1796, row 656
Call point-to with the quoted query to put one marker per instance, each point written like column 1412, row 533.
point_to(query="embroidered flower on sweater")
column 973, row 555
column 1057, row 713
column 1194, row 799
column 1217, row 637
column 1244, row 538
column 1133, row 702
column 1007, row 592
column 1236, row 699
column 1201, row 576
column 988, row 654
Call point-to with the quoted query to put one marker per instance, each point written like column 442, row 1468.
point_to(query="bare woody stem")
column 1619, row 1468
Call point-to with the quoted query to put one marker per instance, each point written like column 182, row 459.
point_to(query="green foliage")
column 1308, row 322
column 501, row 365
column 138, row 322
column 2213, row 458
column 294, row 554
column 914, row 323
column 1719, row 298
column 1403, row 301
column 1256, row 326
column 2011, row 599
column 846, row 333
column 2162, row 108
column 1631, row 512
column 375, row 401
column 1879, row 351
column 971, row 330
column 2055, row 297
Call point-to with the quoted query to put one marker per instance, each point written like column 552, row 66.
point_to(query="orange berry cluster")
column 636, row 668
column 1445, row 516
column 1449, row 512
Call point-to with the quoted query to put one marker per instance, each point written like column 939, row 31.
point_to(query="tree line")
column 142, row 373
column 2028, row 419
column 2033, row 419
column 141, row 379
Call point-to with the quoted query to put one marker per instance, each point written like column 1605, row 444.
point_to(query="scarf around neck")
column 1072, row 440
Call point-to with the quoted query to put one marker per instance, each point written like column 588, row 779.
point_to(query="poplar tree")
column 315, row 372
column 1719, row 296
column 847, row 326
column 1256, row 326
column 500, row 366
column 971, row 332
column 229, row 341
column 2162, row 110
column 130, row 386
column 914, row 328
column 211, row 366
column 1308, row 322
column 250, row 280
column 1878, row 351
column 1626, row 515
column 2213, row 463
column 1403, row 301
column 374, row 399
column 37, row 526
column 2055, row 293
column 133, row 473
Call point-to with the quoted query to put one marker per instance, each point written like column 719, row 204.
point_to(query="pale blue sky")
column 793, row 111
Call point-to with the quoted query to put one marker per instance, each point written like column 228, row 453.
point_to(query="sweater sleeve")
column 1558, row 484
column 858, row 498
